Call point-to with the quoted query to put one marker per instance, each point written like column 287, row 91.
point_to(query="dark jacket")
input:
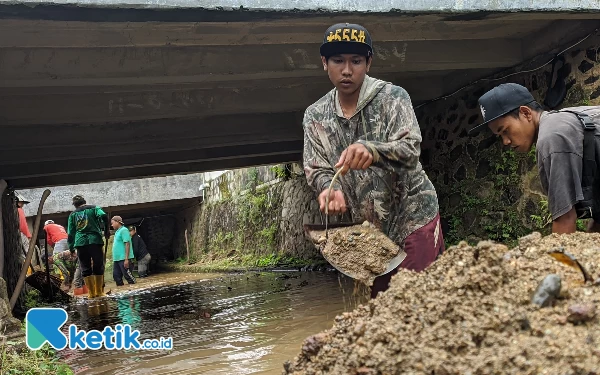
column 139, row 247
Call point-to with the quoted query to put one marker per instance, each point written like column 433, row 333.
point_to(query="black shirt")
column 139, row 247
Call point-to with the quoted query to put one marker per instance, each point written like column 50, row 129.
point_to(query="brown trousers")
column 422, row 248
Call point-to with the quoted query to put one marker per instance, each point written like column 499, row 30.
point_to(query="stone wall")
column 251, row 214
column 115, row 193
column 485, row 191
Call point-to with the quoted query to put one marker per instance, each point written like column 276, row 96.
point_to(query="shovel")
column 316, row 231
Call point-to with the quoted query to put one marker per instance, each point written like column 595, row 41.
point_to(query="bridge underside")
column 90, row 95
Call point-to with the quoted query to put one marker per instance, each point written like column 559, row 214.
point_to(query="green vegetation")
column 243, row 262
column 281, row 171
column 544, row 218
column 493, row 210
column 18, row 359
column 33, row 298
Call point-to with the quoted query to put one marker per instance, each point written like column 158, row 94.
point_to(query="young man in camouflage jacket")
column 369, row 126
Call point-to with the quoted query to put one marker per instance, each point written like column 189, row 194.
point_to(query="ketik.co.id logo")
column 44, row 325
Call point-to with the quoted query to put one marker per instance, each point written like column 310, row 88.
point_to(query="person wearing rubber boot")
column 87, row 226
column 567, row 147
column 122, row 252
column 368, row 127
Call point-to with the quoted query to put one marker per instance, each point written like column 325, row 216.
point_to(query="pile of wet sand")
column 471, row 312
column 362, row 251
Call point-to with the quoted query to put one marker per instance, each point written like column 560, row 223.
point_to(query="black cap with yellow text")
column 347, row 38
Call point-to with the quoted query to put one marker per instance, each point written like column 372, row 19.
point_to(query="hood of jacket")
column 368, row 90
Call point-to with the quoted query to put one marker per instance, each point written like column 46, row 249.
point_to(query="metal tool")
column 315, row 231
column 569, row 259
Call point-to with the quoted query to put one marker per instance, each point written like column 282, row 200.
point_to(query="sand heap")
column 472, row 313
column 361, row 251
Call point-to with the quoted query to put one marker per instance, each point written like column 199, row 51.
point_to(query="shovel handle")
column 27, row 263
column 335, row 176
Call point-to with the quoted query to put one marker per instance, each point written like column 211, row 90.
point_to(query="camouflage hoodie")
column 386, row 124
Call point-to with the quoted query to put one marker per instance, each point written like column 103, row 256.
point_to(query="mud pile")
column 361, row 251
column 471, row 312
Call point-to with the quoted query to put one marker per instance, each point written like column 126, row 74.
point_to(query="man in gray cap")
column 122, row 252
column 567, row 150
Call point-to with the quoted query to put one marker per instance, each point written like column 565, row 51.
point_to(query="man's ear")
column 369, row 61
column 324, row 61
column 527, row 112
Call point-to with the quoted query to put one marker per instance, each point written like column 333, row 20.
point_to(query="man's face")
column 131, row 233
column 346, row 72
column 115, row 225
column 517, row 133
column 21, row 204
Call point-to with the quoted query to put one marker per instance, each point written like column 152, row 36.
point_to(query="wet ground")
column 220, row 324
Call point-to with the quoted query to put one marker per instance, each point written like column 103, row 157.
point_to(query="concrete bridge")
column 105, row 90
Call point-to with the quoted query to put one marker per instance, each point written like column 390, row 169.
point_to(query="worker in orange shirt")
column 56, row 236
column 25, row 233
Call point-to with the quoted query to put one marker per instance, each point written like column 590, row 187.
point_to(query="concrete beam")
column 153, row 158
column 152, row 171
column 86, row 140
column 167, row 101
column 97, row 104
column 556, row 36
column 418, row 6
column 117, row 193
column 83, row 63
column 77, row 34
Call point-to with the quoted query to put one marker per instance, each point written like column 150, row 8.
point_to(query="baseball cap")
column 20, row 198
column 501, row 100
column 48, row 222
column 346, row 38
column 118, row 219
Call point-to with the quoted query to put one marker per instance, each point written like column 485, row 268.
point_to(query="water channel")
column 222, row 324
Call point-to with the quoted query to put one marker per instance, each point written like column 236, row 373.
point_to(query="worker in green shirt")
column 122, row 252
column 86, row 226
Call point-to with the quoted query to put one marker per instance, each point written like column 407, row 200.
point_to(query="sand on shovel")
column 473, row 312
column 362, row 251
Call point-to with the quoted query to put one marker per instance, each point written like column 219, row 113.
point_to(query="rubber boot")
column 90, row 282
column 99, row 285
column 79, row 291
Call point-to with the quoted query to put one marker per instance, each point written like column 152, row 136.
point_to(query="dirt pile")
column 361, row 251
column 471, row 312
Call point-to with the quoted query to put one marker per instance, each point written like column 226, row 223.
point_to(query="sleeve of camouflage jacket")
column 63, row 268
column 403, row 144
column 319, row 171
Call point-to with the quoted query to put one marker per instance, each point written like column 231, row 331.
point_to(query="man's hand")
column 337, row 203
column 126, row 263
column 356, row 156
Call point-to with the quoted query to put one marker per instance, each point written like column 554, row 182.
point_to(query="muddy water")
column 234, row 324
